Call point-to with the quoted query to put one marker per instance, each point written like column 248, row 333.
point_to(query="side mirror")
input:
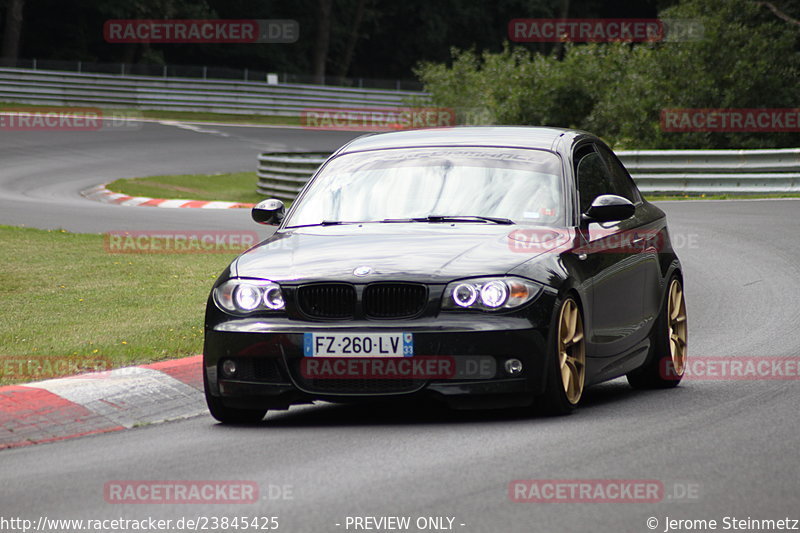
column 269, row 212
column 609, row 208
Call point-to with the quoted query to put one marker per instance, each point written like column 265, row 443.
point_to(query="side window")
column 620, row 181
column 591, row 175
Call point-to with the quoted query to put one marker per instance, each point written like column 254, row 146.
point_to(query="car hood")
column 426, row 252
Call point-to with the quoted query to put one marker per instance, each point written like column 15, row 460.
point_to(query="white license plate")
column 358, row 344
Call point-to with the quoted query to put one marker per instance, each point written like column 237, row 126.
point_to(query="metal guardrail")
column 206, row 72
column 282, row 175
column 181, row 94
column 715, row 171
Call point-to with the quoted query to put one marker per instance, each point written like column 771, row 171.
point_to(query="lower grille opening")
column 362, row 386
column 351, row 385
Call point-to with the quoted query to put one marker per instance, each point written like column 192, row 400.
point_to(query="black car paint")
column 605, row 284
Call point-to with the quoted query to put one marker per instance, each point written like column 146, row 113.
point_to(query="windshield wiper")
column 429, row 218
column 452, row 218
column 326, row 223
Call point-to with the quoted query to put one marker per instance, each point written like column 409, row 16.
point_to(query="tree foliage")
column 389, row 38
column 746, row 58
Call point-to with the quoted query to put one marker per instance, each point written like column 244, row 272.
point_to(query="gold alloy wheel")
column 571, row 351
column 676, row 322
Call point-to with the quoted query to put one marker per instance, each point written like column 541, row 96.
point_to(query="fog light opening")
column 229, row 368
column 513, row 367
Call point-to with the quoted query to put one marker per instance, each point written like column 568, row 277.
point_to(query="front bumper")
column 268, row 352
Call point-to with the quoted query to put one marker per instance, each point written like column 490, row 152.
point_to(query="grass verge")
column 66, row 299
column 235, row 187
column 194, row 116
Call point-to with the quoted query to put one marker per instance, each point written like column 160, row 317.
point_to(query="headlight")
column 246, row 297
column 494, row 294
column 243, row 296
column 465, row 294
column 490, row 294
column 273, row 297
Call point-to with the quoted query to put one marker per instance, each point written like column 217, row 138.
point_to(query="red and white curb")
column 101, row 194
column 64, row 408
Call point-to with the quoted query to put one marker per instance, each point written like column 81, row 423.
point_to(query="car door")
column 650, row 231
column 613, row 254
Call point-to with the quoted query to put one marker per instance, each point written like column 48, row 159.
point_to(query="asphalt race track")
column 43, row 172
column 733, row 444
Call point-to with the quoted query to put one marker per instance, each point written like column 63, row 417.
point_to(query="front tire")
column 566, row 365
column 666, row 362
column 230, row 415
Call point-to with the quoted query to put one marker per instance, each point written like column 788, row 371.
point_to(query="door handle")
column 645, row 240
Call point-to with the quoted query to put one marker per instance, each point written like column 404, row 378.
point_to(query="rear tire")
column 666, row 361
column 566, row 361
column 230, row 415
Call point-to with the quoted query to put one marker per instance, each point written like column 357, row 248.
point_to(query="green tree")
column 747, row 57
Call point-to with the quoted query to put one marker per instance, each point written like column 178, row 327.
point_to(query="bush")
column 747, row 58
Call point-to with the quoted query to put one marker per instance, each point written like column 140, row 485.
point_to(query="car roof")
column 542, row 138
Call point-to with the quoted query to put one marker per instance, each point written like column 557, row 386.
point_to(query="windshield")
column 395, row 185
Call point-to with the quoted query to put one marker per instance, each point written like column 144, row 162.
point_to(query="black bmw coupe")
column 483, row 266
